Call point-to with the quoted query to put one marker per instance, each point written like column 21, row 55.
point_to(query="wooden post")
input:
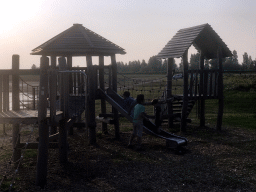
column 69, row 65
column 6, row 92
column 220, row 91
column 62, row 67
column 201, row 90
column 34, row 98
column 42, row 157
column 69, row 82
column 63, row 143
column 5, row 95
column 170, row 63
column 91, row 101
column 114, row 85
column 183, row 123
column 109, row 77
column 102, row 86
column 15, row 107
column 53, row 94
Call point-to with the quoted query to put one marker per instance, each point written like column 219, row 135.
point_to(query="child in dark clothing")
column 157, row 110
column 128, row 103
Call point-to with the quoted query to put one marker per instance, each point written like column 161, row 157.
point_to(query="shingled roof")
column 203, row 37
column 77, row 41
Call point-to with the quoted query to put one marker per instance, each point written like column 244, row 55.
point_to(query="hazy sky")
column 141, row 27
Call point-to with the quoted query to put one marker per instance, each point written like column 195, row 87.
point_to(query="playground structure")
column 200, row 84
column 73, row 90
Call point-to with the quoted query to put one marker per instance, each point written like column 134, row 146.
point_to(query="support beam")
column 102, row 86
column 183, row 122
column 91, row 101
column 202, row 92
column 53, row 94
column 114, row 87
column 169, row 90
column 220, row 91
column 42, row 157
column 15, row 107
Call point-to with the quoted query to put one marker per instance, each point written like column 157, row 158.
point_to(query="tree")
column 245, row 64
column 154, row 64
column 207, row 64
column 235, row 57
column 214, row 63
column 230, row 65
column 194, row 61
column 33, row 66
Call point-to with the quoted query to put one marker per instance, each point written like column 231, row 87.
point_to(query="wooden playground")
column 66, row 93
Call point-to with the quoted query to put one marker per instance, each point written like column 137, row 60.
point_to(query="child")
column 127, row 102
column 157, row 117
column 139, row 115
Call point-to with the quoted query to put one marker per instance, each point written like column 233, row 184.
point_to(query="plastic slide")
column 172, row 141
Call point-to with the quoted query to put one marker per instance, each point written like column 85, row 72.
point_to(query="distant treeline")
column 155, row 65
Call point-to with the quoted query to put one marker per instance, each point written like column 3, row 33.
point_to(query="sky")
column 141, row 27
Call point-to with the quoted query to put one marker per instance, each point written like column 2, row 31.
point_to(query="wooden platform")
column 24, row 116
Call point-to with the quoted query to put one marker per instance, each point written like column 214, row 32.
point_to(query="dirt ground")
column 211, row 161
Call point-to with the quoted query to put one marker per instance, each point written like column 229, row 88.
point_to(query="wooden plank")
column 52, row 145
column 196, row 83
column 216, row 85
column 20, row 72
column 211, row 74
column 191, row 86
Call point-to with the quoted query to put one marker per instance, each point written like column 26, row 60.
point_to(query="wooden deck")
column 24, row 116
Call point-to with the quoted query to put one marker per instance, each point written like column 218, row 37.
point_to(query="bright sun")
column 13, row 12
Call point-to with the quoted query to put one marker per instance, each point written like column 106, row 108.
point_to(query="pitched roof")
column 203, row 37
column 77, row 41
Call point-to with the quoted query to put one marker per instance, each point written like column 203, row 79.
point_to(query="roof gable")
column 203, row 37
column 77, row 41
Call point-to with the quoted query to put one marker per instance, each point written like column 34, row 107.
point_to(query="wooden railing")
column 209, row 87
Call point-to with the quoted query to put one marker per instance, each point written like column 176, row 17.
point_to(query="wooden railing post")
column 42, row 157
column 170, row 63
column 15, row 107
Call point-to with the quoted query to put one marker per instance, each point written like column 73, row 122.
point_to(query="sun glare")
column 14, row 12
